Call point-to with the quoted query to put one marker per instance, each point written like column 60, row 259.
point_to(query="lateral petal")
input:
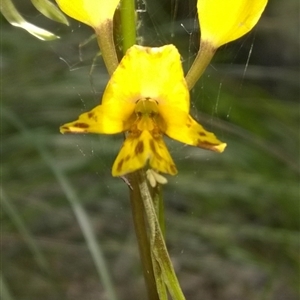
column 101, row 119
column 182, row 127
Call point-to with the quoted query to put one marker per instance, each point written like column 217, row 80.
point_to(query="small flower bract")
column 146, row 97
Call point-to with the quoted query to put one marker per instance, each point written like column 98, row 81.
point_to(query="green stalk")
column 105, row 39
column 202, row 60
column 128, row 29
column 157, row 245
column 159, row 210
column 128, row 21
column 137, row 209
column 159, row 207
column 160, row 283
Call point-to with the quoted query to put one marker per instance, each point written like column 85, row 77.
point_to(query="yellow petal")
column 145, row 72
column 222, row 21
column 90, row 12
column 182, row 127
column 138, row 150
column 102, row 119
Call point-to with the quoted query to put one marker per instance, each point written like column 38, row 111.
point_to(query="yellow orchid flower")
column 146, row 97
column 222, row 21
column 89, row 12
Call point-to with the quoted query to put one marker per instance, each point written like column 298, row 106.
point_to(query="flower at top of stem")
column 222, row 21
column 146, row 97
column 90, row 12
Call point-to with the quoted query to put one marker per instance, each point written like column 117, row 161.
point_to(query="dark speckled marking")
column 91, row 114
column 201, row 133
column 152, row 146
column 139, row 148
column 205, row 144
column 120, row 164
column 81, row 125
column 127, row 157
column 189, row 123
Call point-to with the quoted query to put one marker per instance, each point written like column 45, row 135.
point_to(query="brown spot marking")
column 120, row 164
column 156, row 132
column 206, row 145
column 91, row 114
column 158, row 157
column 127, row 157
column 148, row 50
column 152, row 146
column 139, row 148
column 81, row 125
column 201, row 133
column 189, row 122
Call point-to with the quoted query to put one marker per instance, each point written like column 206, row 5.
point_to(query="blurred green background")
column 232, row 218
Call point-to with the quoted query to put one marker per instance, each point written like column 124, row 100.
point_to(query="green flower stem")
column 156, row 194
column 158, row 203
column 202, row 60
column 107, row 45
column 128, row 28
column 128, row 20
column 137, row 208
column 160, row 284
column 157, row 244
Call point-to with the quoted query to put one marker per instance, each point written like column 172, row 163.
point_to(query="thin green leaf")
column 49, row 10
column 10, row 209
column 79, row 211
column 5, row 292
column 14, row 18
